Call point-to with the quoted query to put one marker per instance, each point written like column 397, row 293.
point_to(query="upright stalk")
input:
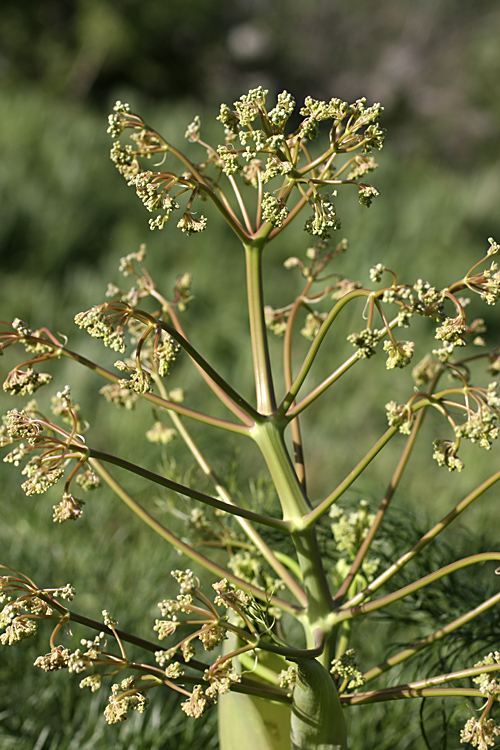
column 266, row 402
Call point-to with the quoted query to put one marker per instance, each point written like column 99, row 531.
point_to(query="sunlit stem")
column 266, row 402
column 281, row 570
column 287, row 367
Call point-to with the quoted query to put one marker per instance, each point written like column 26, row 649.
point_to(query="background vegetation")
column 66, row 218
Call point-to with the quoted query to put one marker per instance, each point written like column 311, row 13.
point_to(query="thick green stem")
column 269, row 555
column 266, row 403
column 294, row 504
column 317, row 718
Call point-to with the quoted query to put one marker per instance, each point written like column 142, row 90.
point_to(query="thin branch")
column 407, row 653
column 315, row 514
column 181, row 489
column 424, row 541
column 287, row 368
column 391, row 489
column 186, row 548
column 349, row 611
column 157, row 400
column 407, row 691
column 314, row 348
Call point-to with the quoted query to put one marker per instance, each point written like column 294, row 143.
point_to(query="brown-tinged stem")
column 432, row 638
column 425, row 540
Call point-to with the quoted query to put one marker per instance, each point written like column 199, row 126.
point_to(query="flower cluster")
column 69, row 509
column 400, row 353
column 445, row 454
column 119, row 396
column 211, row 632
column 273, row 210
column 276, row 320
column 57, row 658
column 488, row 682
column 324, row 217
column 161, row 434
column 124, row 698
column 347, row 668
column 25, row 382
column 491, row 285
column 258, row 149
column 480, row 427
column 19, row 617
column 400, row 416
column 98, row 322
column 365, row 341
column 119, row 119
column 313, row 322
column 480, row 734
column 189, row 225
column 152, row 191
column 366, row 194
column 349, row 530
column 139, row 382
column 221, row 676
column 41, row 475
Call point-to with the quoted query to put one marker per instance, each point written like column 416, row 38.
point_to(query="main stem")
column 317, row 718
column 266, row 402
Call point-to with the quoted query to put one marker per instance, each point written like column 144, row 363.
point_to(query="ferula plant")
column 274, row 622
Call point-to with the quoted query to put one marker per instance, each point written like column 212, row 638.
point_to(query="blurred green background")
column 67, row 217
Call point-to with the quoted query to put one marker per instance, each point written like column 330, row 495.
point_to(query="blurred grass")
column 58, row 248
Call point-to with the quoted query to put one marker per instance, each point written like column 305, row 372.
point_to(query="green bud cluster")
column 445, row 454
column 480, row 733
column 25, row 382
column 99, row 326
column 123, row 699
column 347, row 668
column 273, row 210
column 365, row 341
column 400, row 353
